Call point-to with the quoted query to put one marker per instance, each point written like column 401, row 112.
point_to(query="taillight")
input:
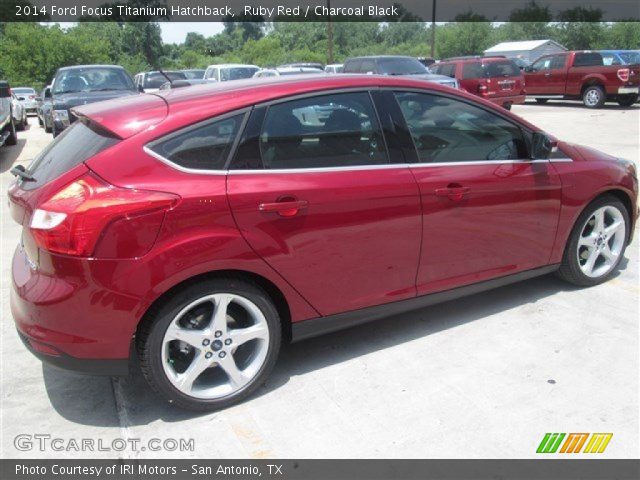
column 623, row 74
column 31, row 97
column 73, row 220
column 483, row 89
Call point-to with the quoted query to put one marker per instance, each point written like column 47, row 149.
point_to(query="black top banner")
column 319, row 10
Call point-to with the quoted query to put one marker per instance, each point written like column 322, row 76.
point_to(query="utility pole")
column 433, row 29
column 330, row 34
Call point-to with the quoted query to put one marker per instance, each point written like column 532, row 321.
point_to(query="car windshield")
column 156, row 79
column 630, row 58
column 401, row 66
column 237, row 73
column 92, row 79
column 23, row 91
column 193, row 74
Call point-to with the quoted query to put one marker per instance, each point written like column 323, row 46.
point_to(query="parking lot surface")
column 485, row 376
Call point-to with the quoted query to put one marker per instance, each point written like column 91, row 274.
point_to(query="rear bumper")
column 512, row 99
column 72, row 320
column 628, row 90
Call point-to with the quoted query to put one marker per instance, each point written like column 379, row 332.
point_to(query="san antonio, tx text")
column 205, row 11
column 99, row 471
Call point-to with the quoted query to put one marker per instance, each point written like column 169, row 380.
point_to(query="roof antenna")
column 166, row 76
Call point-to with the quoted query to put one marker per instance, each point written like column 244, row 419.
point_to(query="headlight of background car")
column 61, row 116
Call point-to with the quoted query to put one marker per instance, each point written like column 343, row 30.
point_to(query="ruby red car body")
column 334, row 257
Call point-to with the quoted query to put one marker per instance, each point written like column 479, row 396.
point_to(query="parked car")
column 396, row 66
column 194, row 73
column 19, row 113
column 334, row 68
column 85, row 84
column 496, row 79
column 8, row 135
column 229, row 71
column 45, row 117
column 205, row 226
column 317, row 66
column 150, row 82
column 620, row 57
column 280, row 71
column 582, row 75
column 182, row 83
column 27, row 97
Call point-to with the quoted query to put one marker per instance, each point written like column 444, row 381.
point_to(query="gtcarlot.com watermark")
column 42, row 442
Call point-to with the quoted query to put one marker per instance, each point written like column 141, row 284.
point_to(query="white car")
column 229, row 71
column 19, row 112
column 28, row 98
column 333, row 68
column 280, row 71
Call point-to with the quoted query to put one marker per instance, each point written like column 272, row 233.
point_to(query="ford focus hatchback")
column 198, row 229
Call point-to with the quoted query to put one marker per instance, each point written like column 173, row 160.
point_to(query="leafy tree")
column 463, row 38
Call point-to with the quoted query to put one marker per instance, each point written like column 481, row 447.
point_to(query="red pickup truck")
column 582, row 75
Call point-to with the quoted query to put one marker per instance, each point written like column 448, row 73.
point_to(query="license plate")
column 623, row 90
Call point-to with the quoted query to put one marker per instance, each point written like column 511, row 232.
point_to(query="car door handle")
column 284, row 208
column 455, row 193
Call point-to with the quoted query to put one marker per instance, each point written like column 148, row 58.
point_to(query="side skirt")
column 332, row 323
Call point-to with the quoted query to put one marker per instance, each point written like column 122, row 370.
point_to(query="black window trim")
column 148, row 147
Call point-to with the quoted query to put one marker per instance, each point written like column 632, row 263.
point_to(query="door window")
column 558, row 61
column 205, row 147
column 448, row 130
column 542, row 64
column 447, row 70
column 325, row 131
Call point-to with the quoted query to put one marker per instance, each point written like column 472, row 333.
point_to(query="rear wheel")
column 507, row 106
column 627, row 100
column 597, row 243
column 211, row 345
column 593, row 96
column 542, row 101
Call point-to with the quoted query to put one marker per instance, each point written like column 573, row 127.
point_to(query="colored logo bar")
column 574, row 442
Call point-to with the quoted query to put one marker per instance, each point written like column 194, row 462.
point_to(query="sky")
column 176, row 32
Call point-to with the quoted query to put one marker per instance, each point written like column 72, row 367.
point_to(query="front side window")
column 326, row 131
column 448, row 130
column 205, row 147
column 542, row 64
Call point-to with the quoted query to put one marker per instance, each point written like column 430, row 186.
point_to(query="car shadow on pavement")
column 97, row 401
column 9, row 154
column 579, row 104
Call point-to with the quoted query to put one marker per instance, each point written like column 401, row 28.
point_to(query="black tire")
column 570, row 270
column 542, row 101
column 149, row 341
column 46, row 128
column 507, row 106
column 627, row 100
column 40, row 121
column 23, row 124
column 54, row 132
column 12, row 139
column 593, row 96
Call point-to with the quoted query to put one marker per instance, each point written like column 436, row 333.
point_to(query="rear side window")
column 204, row 147
column 448, row 70
column 472, row 70
column 587, row 59
column 78, row 143
column 352, row 66
column 326, row 131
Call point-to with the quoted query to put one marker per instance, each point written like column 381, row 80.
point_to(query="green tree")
column 463, row 38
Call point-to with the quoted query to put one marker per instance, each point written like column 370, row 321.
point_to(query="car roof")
column 229, row 65
column 189, row 106
column 74, row 67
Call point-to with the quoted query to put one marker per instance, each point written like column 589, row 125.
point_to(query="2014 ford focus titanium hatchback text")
column 199, row 228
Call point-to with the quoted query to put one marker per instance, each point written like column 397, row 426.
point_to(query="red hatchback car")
column 496, row 79
column 198, row 228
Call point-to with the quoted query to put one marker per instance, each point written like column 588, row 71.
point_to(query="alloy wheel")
column 592, row 98
column 215, row 346
column 601, row 241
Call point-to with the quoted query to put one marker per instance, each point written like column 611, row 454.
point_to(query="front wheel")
column 593, row 96
column 210, row 346
column 597, row 243
column 627, row 100
column 12, row 139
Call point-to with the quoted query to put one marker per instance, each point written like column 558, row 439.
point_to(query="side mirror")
column 5, row 91
column 140, row 89
column 47, row 92
column 542, row 146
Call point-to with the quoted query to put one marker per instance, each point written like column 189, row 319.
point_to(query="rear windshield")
column 497, row 69
column 23, row 91
column 79, row 142
column 156, row 79
column 193, row 74
column 91, row 79
column 237, row 73
column 401, row 66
